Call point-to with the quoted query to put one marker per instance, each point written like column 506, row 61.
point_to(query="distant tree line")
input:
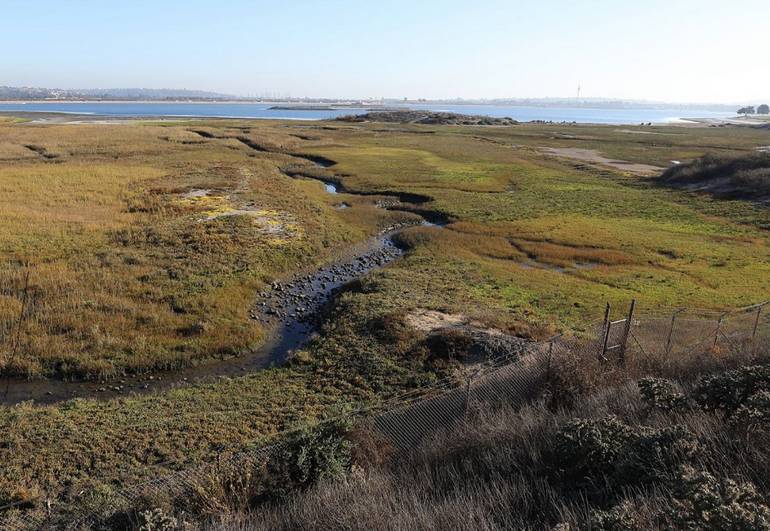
column 762, row 109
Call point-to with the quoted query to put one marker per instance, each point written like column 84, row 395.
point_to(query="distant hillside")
column 37, row 93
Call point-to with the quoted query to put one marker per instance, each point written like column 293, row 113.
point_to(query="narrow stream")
column 290, row 309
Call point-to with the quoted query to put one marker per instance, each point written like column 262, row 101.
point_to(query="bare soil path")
column 594, row 157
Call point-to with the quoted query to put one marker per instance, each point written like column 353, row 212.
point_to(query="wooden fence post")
column 671, row 331
column 627, row 331
column 756, row 323
column 605, row 333
column 719, row 329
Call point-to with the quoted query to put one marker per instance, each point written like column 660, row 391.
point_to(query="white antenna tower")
column 578, row 91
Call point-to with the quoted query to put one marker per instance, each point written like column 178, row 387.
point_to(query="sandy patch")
column 594, row 157
column 279, row 226
column 639, row 132
column 197, row 192
column 430, row 321
column 488, row 343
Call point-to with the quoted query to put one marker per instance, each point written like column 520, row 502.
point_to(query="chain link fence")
column 680, row 332
column 513, row 373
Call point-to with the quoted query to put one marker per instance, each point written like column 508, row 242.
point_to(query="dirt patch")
column 639, row 132
column 486, row 342
column 212, row 205
column 431, row 321
column 197, row 192
column 594, row 157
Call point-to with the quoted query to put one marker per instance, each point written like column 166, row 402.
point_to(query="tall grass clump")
column 746, row 176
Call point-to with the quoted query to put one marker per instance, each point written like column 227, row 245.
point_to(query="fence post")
column 671, row 331
column 468, row 394
column 627, row 331
column 719, row 329
column 605, row 333
column 756, row 323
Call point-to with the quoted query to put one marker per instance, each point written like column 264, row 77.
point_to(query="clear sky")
column 673, row 50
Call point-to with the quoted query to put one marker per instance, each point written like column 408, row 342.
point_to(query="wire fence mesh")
column 512, row 374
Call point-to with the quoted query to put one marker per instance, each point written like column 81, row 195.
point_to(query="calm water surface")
column 263, row 110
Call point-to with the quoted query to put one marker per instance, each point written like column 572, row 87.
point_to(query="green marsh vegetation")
column 131, row 272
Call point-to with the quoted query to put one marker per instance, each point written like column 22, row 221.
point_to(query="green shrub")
column 308, row 456
column 591, row 448
column 157, row 520
column 392, row 328
column 592, row 451
column 655, row 455
column 754, row 413
column 701, row 501
column 730, row 390
column 619, row 518
column 661, row 393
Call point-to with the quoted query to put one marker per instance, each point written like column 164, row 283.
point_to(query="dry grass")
column 505, row 469
column 122, row 265
column 747, row 176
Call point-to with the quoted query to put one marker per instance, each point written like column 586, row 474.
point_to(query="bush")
column 619, row 518
column 703, row 502
column 393, row 330
column 592, row 451
column 754, row 413
column 655, row 455
column 591, row 448
column 662, row 394
column 748, row 175
column 730, row 390
column 308, row 456
column 157, row 520
column 450, row 344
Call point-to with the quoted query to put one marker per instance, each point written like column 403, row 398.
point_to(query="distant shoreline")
column 185, row 109
column 376, row 105
column 736, row 120
column 159, row 102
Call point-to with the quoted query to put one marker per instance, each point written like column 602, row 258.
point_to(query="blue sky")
column 675, row 50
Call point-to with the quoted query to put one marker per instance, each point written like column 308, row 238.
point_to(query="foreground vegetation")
column 682, row 445
column 131, row 272
column 689, row 453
